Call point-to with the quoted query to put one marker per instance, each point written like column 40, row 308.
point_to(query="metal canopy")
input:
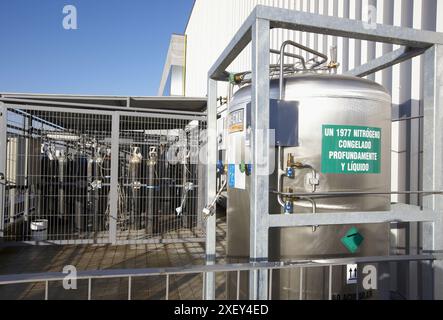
column 185, row 104
column 256, row 30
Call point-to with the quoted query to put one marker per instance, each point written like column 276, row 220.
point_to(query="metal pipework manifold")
column 312, row 178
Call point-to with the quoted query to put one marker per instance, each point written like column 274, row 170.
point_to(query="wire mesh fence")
column 58, row 176
column 158, row 176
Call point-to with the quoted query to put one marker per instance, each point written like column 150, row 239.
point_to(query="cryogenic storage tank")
column 332, row 134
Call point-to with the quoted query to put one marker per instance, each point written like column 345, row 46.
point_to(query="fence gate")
column 73, row 176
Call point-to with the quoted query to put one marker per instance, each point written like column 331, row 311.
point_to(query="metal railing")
column 269, row 267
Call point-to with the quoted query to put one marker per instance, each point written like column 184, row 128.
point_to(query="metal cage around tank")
column 256, row 30
column 76, row 174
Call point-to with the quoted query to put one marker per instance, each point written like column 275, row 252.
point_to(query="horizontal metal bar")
column 151, row 114
column 159, row 241
column 308, row 22
column 399, row 213
column 30, row 106
column 353, row 193
column 123, row 273
column 385, row 61
column 100, row 241
column 135, row 113
column 407, row 118
column 240, row 40
column 334, row 26
column 94, row 106
column 5, row 243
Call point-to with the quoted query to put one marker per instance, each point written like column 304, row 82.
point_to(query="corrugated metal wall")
column 214, row 22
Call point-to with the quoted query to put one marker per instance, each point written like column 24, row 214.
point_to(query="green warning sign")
column 352, row 240
column 351, row 150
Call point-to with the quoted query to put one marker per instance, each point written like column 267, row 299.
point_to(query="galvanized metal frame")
column 256, row 29
column 432, row 232
column 113, row 192
column 211, row 183
column 3, row 143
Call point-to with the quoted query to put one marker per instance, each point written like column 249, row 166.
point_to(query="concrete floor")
column 35, row 259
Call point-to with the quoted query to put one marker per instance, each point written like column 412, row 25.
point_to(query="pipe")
column 61, row 191
column 350, row 194
column 152, row 162
column 96, row 195
column 150, row 218
column 312, row 201
column 63, row 136
column 291, row 55
column 279, row 177
column 209, row 210
column 279, row 193
column 133, row 169
column 282, row 54
column 314, row 210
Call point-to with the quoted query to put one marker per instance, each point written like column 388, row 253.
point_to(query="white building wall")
column 172, row 81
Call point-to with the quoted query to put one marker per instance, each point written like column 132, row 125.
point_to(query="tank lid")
column 327, row 85
column 323, row 85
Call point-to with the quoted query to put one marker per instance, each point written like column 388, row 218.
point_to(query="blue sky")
column 119, row 47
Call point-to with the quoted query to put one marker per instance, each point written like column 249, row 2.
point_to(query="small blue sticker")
column 231, row 175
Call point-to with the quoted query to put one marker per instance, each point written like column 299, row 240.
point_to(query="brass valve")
column 333, row 65
column 236, row 78
column 291, row 163
column 291, row 160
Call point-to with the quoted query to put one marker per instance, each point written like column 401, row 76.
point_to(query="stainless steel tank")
column 336, row 133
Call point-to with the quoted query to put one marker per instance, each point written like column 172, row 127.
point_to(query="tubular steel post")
column 129, row 287
column 259, row 208
column 433, row 168
column 330, row 284
column 270, row 285
column 167, row 287
column 89, row 288
column 46, row 290
column 301, row 284
column 3, row 147
column 113, row 192
column 211, row 182
column 203, row 285
column 238, row 284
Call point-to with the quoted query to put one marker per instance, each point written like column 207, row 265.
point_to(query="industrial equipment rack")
column 256, row 29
